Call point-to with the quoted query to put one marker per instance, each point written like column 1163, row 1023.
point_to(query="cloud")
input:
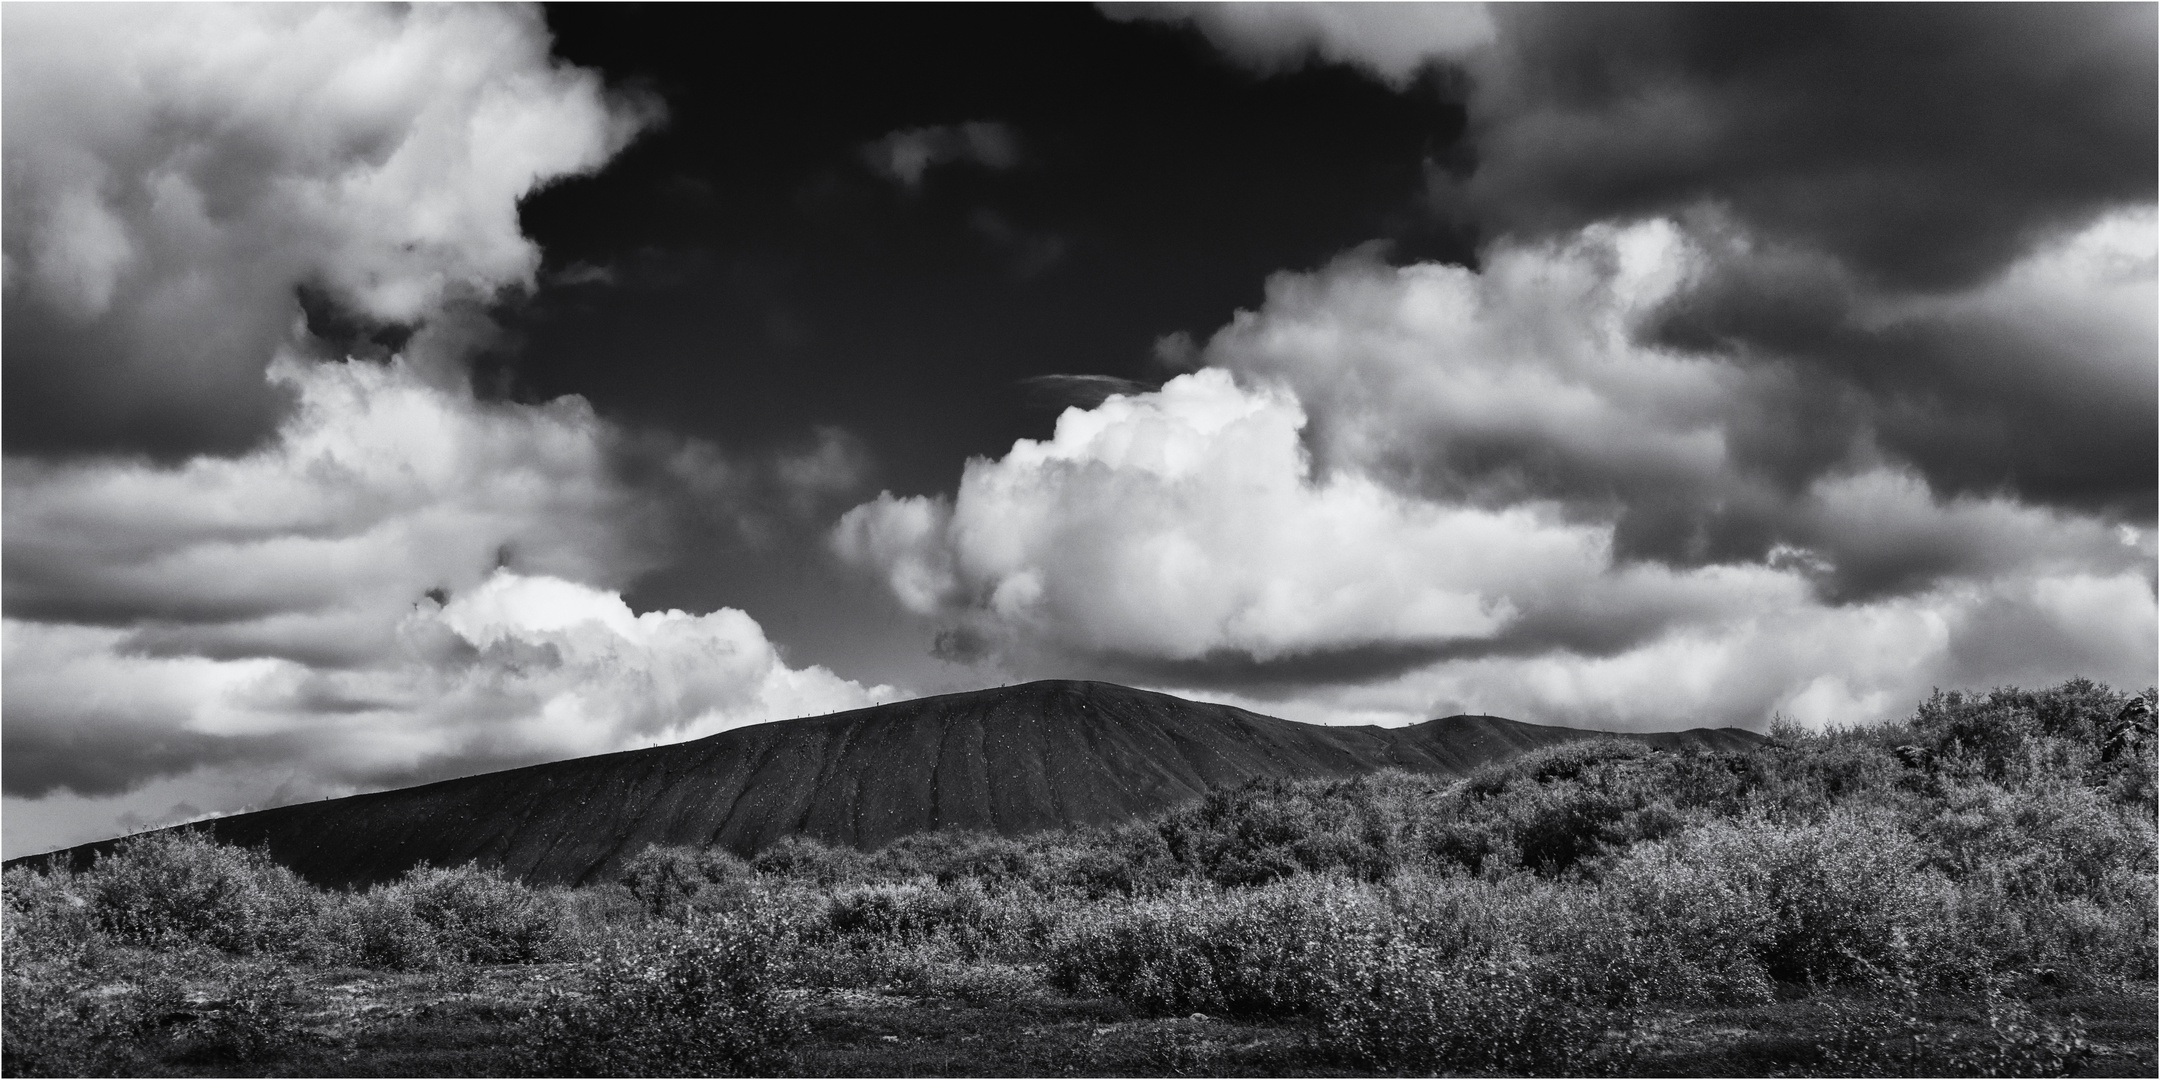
column 2038, row 379
column 405, row 583
column 905, row 156
column 1391, row 493
column 191, row 189
column 1923, row 147
column 241, row 571
column 1556, row 372
column 1392, row 42
column 379, row 486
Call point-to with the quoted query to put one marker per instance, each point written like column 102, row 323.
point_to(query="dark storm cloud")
column 92, row 755
column 2021, row 393
column 1923, row 145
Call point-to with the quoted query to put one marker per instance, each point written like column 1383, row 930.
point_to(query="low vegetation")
column 1966, row 892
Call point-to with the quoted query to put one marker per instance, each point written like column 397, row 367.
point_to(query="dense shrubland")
column 1991, row 850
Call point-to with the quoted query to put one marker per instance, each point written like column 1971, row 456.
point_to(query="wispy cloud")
column 906, row 156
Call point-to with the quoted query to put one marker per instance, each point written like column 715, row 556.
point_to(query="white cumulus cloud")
column 176, row 172
column 405, row 583
column 1392, row 493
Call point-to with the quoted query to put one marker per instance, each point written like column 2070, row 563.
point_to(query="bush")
column 1840, row 900
column 1270, row 829
column 906, row 912
column 46, row 914
column 1556, row 810
column 463, row 915
column 2048, row 838
column 255, row 1019
column 670, row 880
column 698, row 998
column 181, row 888
column 1246, row 953
column 1130, row 860
column 801, row 858
column 1389, row 1004
column 62, row 1017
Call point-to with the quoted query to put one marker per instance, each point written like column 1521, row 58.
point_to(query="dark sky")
column 768, row 280
column 398, row 392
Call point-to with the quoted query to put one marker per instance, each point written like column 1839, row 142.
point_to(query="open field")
column 1967, row 893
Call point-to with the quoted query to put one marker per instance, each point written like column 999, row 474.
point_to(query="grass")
column 407, row 1024
column 1968, row 892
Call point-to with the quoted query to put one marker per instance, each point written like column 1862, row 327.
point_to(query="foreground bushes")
column 434, row 917
column 699, row 998
column 1248, row 953
column 1841, row 900
column 1519, row 921
column 1396, row 1006
column 180, row 890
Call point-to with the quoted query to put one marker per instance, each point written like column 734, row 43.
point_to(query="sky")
column 394, row 393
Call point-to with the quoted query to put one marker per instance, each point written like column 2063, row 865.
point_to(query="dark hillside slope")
column 1012, row 760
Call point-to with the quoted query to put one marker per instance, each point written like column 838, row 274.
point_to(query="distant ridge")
column 1012, row 760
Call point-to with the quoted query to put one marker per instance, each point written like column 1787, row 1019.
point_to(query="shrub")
column 2046, row 838
column 964, row 919
column 1557, row 809
column 1244, row 953
column 1131, row 860
column 46, row 914
column 180, row 888
column 256, row 1018
column 995, row 861
column 1393, row 1005
column 804, row 859
column 1844, row 899
column 669, row 880
column 461, row 915
column 62, row 1017
column 1584, row 946
column 379, row 929
column 698, row 998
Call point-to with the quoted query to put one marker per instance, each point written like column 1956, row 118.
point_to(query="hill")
column 1012, row 760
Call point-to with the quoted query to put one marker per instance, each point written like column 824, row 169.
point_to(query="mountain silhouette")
column 1011, row 760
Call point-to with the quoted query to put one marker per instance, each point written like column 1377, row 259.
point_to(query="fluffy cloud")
column 1404, row 491
column 1556, row 372
column 342, row 574
column 180, row 178
column 404, row 583
column 1392, row 41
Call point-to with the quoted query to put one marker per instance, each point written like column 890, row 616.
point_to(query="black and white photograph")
column 1060, row 539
